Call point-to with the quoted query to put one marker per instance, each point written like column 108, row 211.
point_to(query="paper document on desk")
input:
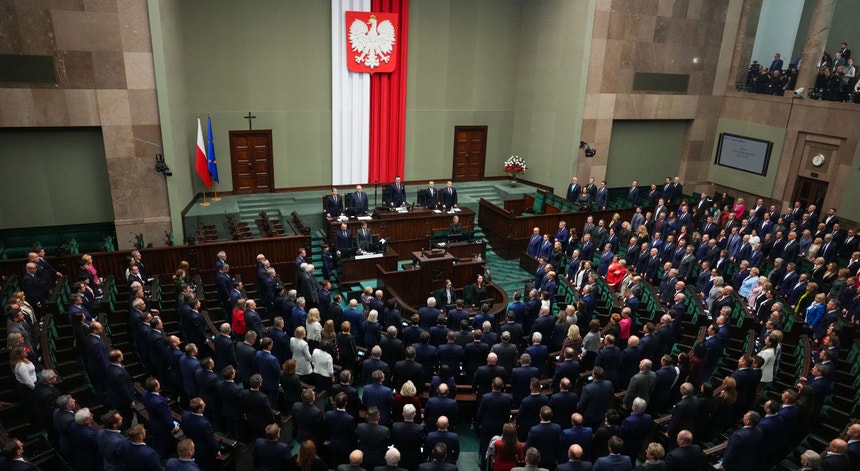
column 437, row 211
column 368, row 255
column 365, row 218
column 457, row 210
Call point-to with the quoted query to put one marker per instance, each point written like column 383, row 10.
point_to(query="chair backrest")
column 540, row 201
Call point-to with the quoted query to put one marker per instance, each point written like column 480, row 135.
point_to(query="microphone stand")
column 375, row 191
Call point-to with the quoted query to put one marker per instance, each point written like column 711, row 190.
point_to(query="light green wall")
column 646, row 151
column 848, row 207
column 177, row 125
column 745, row 181
column 843, row 27
column 53, row 177
column 462, row 71
column 552, row 66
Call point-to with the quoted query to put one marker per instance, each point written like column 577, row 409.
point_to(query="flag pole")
column 216, row 197
column 204, row 202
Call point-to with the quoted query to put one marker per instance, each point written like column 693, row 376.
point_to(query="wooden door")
column 470, row 153
column 809, row 191
column 251, row 159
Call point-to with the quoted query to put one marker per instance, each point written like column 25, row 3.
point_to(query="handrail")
column 45, row 342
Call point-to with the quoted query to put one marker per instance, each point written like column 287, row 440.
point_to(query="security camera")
column 799, row 92
column 161, row 166
column 590, row 152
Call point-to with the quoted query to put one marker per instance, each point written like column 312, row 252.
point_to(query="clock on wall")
column 818, row 160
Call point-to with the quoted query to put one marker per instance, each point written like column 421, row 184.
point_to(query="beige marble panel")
column 679, row 10
column 665, row 8
column 592, row 106
column 600, row 30
column 119, row 142
column 83, row 108
column 124, row 186
column 114, row 107
column 645, row 28
column 17, row 109
column 603, row 5
column 50, row 107
column 75, row 69
column 109, row 69
column 33, row 24
column 147, row 141
column 694, row 9
column 606, row 107
column 100, row 5
column 86, row 31
column 134, row 25
column 153, row 230
column 595, row 65
column 10, row 37
column 139, row 70
column 144, row 106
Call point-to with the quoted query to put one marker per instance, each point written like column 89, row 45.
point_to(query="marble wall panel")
column 34, row 27
column 134, row 25
column 147, row 141
column 114, row 107
column 86, row 31
column 100, row 5
column 109, row 69
column 75, row 69
column 82, row 107
column 10, row 37
column 50, row 107
column 144, row 106
column 139, row 70
column 119, row 142
column 17, row 109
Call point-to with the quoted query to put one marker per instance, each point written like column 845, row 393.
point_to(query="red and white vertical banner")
column 350, row 104
column 368, row 90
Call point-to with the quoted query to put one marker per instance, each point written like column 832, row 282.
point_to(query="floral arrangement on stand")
column 515, row 166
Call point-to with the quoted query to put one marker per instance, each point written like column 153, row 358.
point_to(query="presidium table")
column 407, row 232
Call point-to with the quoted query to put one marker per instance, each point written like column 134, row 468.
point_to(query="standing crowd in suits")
column 241, row 380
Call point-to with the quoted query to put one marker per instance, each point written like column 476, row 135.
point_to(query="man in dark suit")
column 615, row 461
column 449, row 196
column 686, row 456
column 609, row 358
column 333, row 204
column 340, row 426
column 308, row 418
column 343, row 238
column 373, row 439
column 450, row 353
column 493, row 412
column 635, row 429
column 439, row 455
column 743, row 446
column 255, row 405
column 246, row 356
column 573, row 190
column 83, row 437
column 544, row 436
column 120, row 392
column 189, row 364
column 33, row 288
column 521, row 379
column 574, row 460
column 595, row 399
column 161, row 427
column 379, row 395
column 475, row 355
column 443, row 435
column 568, row 368
column 686, row 411
column 199, row 429
column 431, row 196
column 110, row 441
column 576, row 435
column 270, row 454
column 483, row 380
column 407, row 437
column 98, row 359
column 207, row 388
column 225, row 350
column 438, row 406
column 229, row 399
column 397, row 193
column 408, row 370
column 529, row 411
column 137, row 455
column 270, row 369
column 358, row 201
column 563, row 403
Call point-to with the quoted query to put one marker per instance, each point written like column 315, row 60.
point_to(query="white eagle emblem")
column 373, row 43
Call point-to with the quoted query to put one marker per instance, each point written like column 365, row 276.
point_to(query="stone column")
column 816, row 39
column 747, row 27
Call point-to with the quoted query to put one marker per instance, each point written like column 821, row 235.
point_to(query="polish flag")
column 200, row 162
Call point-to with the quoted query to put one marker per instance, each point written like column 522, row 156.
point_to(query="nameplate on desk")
column 368, row 255
column 401, row 209
column 437, row 211
column 365, row 218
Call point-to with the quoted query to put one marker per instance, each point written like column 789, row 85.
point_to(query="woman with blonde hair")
column 24, row 370
column 573, row 340
column 568, row 317
column 408, row 395
column 723, row 409
column 302, row 354
column 328, row 331
column 372, row 334
column 347, row 350
column 90, row 270
column 654, row 454
column 314, row 328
